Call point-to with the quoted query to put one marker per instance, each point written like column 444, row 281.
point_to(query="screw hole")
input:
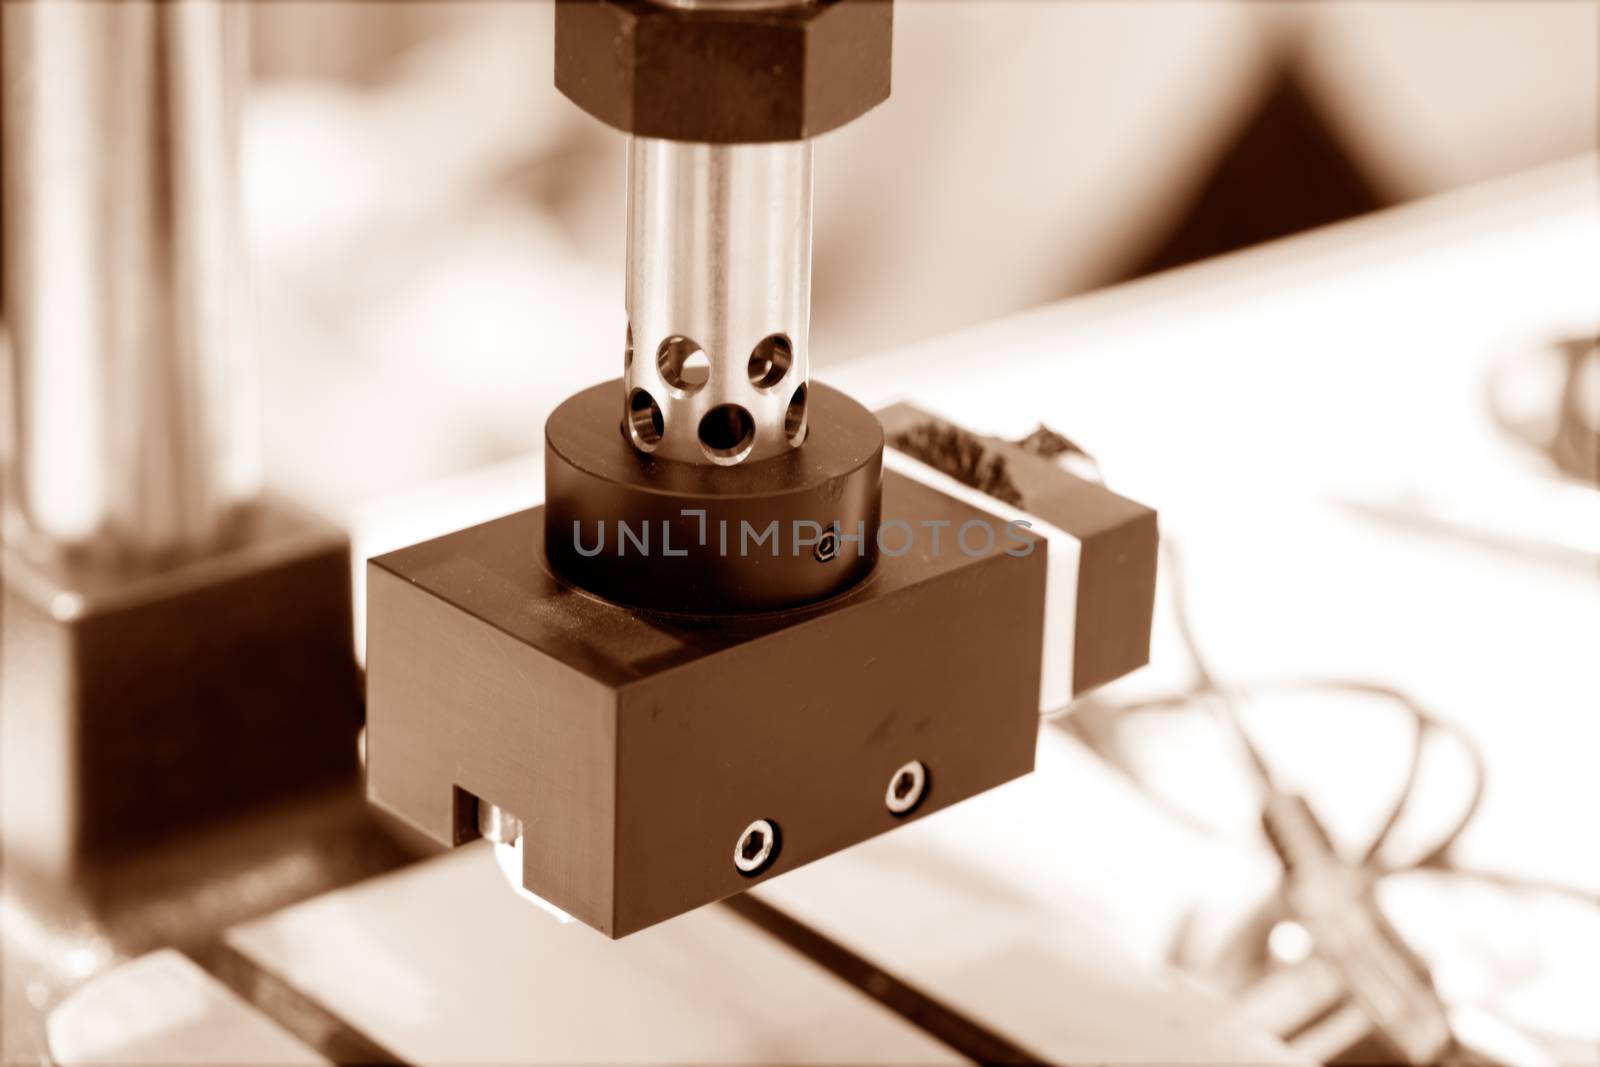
column 684, row 365
column 645, row 422
column 756, row 848
column 794, row 419
column 727, row 433
column 627, row 350
column 770, row 361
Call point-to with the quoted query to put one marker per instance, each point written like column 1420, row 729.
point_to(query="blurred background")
column 440, row 233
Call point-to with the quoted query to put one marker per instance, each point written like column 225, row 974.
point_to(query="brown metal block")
column 138, row 705
column 1119, row 538
column 636, row 749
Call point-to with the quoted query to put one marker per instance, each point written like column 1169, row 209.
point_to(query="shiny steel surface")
column 498, row 825
column 130, row 430
column 719, row 256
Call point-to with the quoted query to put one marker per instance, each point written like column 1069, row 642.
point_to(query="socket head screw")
column 907, row 786
column 756, row 848
column 828, row 547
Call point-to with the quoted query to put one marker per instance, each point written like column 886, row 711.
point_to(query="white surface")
column 162, row 1008
column 1016, row 907
column 443, row 964
column 1250, row 400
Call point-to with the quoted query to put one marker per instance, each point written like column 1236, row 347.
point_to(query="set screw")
column 828, row 547
column 906, row 788
column 756, row 847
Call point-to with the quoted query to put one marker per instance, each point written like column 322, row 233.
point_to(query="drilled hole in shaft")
column 684, row 365
column 727, row 433
column 645, row 421
column 794, row 418
column 770, row 361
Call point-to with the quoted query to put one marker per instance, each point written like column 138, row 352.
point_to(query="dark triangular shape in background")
column 1286, row 171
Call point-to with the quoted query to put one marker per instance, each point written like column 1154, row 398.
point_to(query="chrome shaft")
column 719, row 298
column 132, row 433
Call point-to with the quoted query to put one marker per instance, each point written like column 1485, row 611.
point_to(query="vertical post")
column 176, row 646
column 131, row 430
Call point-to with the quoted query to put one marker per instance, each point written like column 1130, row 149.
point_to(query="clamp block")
column 641, row 752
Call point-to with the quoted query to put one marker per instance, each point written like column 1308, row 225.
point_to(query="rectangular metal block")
column 138, row 705
column 636, row 748
column 1112, row 601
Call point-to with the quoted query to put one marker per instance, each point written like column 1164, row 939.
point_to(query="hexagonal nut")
column 724, row 75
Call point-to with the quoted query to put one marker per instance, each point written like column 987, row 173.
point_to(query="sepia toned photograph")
column 769, row 532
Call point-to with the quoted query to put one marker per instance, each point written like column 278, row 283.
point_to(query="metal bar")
column 132, row 434
column 719, row 297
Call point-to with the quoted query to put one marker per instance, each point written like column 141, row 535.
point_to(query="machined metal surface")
column 724, row 71
column 176, row 648
column 497, row 824
column 645, row 746
column 132, row 430
column 1105, row 625
column 719, row 299
column 138, row 705
column 700, row 540
column 733, row 5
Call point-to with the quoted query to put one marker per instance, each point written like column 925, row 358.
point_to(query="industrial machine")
column 754, row 622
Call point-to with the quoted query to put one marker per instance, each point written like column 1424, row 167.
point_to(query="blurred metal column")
column 132, row 437
column 176, row 645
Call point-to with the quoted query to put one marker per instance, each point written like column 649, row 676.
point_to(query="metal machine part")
column 498, row 825
column 721, row 98
column 693, row 539
column 638, row 749
column 729, row 623
column 756, row 848
column 724, row 71
column 176, row 647
column 133, row 436
column 906, row 786
column 719, row 299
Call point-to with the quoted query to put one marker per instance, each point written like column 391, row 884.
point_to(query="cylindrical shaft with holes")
column 721, row 100
column 719, row 298
column 721, row 437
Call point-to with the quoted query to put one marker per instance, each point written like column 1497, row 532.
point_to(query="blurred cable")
column 1331, row 897
column 1548, row 400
